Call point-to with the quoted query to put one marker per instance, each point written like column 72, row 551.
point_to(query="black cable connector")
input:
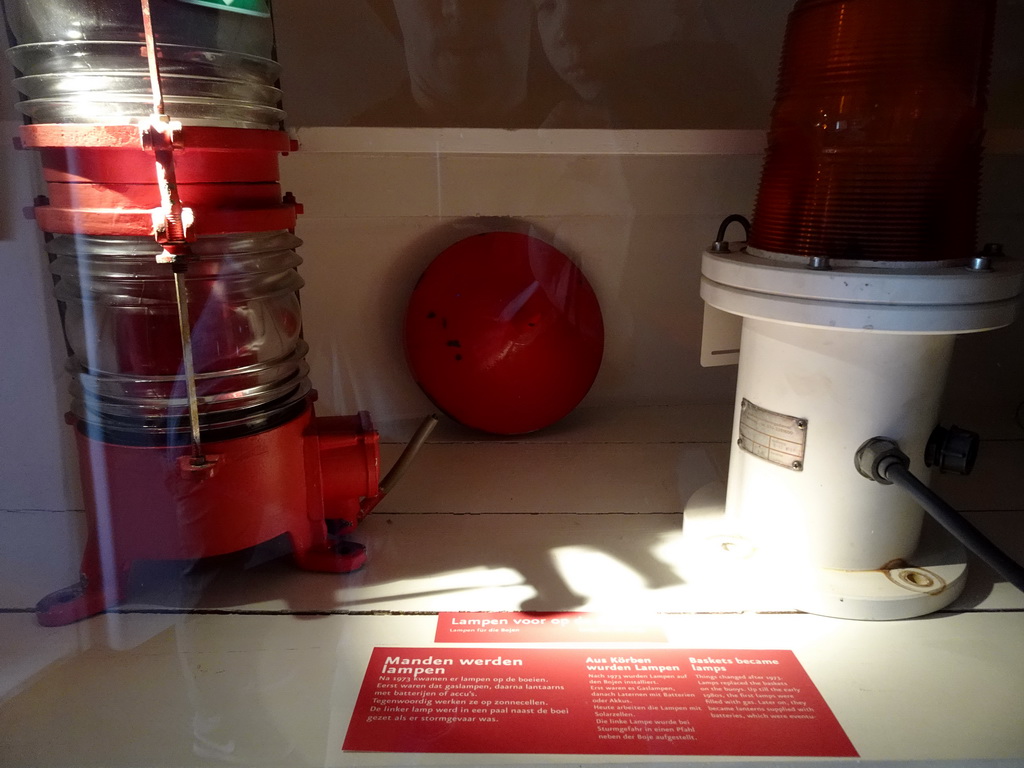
column 721, row 245
column 880, row 459
column 952, row 450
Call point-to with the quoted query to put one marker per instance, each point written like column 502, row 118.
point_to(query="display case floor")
column 245, row 660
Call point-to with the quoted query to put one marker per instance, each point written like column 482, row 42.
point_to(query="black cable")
column 896, row 473
column 743, row 222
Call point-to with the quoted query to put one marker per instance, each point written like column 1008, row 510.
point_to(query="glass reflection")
column 564, row 63
column 632, row 65
column 467, row 59
column 588, row 42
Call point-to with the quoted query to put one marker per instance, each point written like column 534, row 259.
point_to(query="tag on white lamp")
column 720, row 338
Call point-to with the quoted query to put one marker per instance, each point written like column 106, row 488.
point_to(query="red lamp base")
column 154, row 503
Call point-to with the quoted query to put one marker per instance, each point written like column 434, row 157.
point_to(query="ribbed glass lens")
column 121, row 323
column 875, row 146
column 83, row 61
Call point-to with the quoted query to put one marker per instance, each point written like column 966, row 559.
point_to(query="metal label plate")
column 772, row 436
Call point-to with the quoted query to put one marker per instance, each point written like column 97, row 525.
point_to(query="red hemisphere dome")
column 504, row 333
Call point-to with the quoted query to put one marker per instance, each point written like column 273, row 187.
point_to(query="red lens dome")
column 504, row 333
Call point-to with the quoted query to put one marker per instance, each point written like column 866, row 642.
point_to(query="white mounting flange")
column 911, row 299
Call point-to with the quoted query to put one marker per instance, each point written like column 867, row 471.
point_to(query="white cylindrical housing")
column 839, row 388
column 830, row 358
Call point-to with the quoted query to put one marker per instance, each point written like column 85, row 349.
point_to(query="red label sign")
column 571, row 627
column 586, row 701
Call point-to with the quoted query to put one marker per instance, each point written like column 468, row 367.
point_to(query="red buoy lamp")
column 504, row 333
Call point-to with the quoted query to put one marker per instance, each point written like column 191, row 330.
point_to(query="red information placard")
column 585, row 701
column 535, row 627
